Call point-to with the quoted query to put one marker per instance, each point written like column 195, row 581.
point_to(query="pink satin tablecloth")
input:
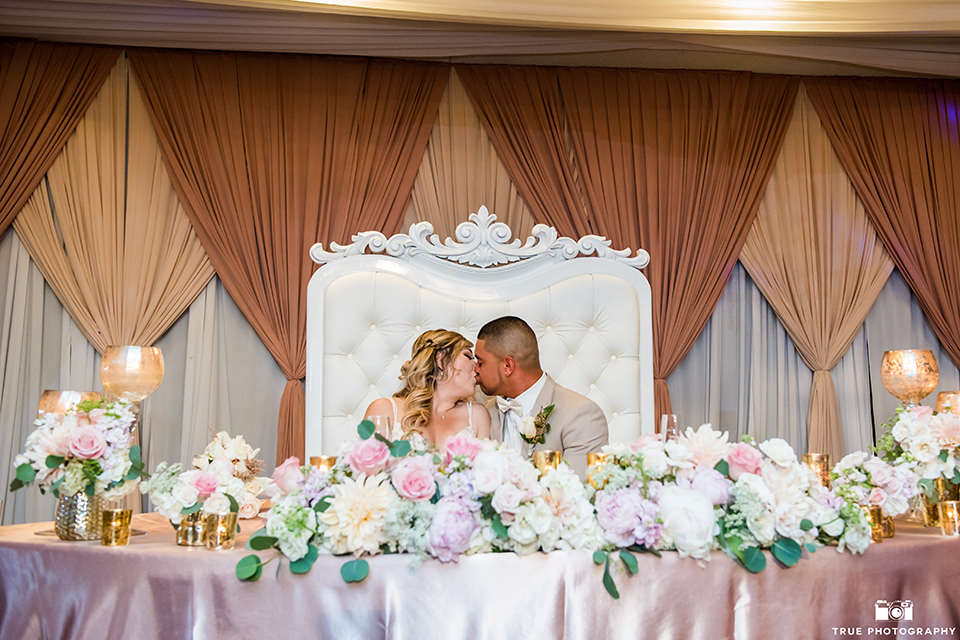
column 155, row 589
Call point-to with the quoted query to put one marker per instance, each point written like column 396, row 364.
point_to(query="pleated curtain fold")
column 899, row 141
column 816, row 258
column 45, row 89
column 106, row 229
column 461, row 171
column 271, row 153
column 674, row 162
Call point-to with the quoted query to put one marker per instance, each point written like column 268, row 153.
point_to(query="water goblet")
column 909, row 374
column 382, row 425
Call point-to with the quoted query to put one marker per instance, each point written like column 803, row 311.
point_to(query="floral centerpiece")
column 88, row 449
column 926, row 441
column 867, row 480
column 223, row 480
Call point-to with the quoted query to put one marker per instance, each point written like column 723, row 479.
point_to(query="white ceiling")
column 821, row 37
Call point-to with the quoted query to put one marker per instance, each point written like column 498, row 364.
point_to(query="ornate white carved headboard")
column 592, row 316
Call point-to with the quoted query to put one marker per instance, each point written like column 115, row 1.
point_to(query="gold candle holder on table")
column 888, row 526
column 949, row 516
column 875, row 518
column 59, row 400
column 115, row 527
column 948, row 402
column 595, row 464
column 909, row 374
column 820, row 464
column 546, row 460
column 191, row 532
column 221, row 530
column 323, row 463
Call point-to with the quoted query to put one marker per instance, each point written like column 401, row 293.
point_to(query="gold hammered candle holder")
column 595, row 464
column 889, row 527
column 875, row 518
column 323, row 463
column 221, row 531
column 191, row 530
column 115, row 527
column 820, row 464
column 546, row 460
column 78, row 517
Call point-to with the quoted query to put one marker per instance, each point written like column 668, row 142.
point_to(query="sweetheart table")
column 155, row 589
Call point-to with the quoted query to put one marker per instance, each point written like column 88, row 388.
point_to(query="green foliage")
column 234, row 505
column 322, row 504
column 304, row 564
column 355, row 570
column 810, row 547
column 260, row 540
column 723, row 467
column 806, row 524
column 629, row 561
column 599, row 557
column 188, row 510
column 366, row 429
column 53, row 462
column 26, row 474
column 787, row 551
column 400, row 448
column 608, row 583
column 249, row 568
column 498, row 527
column 89, row 405
column 753, row 560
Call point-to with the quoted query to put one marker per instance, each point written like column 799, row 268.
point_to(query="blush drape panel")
column 44, row 91
column 674, row 162
column 899, row 141
column 814, row 254
column 461, row 171
column 115, row 244
column 271, row 153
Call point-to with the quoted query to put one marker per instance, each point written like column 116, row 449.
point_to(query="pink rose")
column 250, row 507
column 462, row 446
column 97, row 416
column 743, row 458
column 877, row 495
column 368, row 456
column 87, row 442
column 413, row 479
column 205, row 483
column 920, row 412
column 506, row 499
column 288, row 477
column 644, row 440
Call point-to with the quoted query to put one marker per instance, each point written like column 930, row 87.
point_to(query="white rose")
column 689, row 518
column 852, row 460
column 856, row 538
column 779, row 450
column 218, row 504
column 506, row 499
column 185, row 493
column 680, row 456
column 763, row 527
column 655, row 461
column 488, row 470
column 255, row 487
column 249, row 507
column 527, row 427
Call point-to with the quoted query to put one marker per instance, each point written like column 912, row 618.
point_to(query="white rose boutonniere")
column 534, row 428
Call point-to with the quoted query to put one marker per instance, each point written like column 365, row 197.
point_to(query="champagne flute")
column 669, row 429
column 382, row 425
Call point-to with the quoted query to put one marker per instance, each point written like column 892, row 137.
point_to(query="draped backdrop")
column 129, row 187
column 270, row 153
column 673, row 162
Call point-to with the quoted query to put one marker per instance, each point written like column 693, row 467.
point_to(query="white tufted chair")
column 591, row 314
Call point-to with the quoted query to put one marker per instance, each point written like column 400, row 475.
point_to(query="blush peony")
column 88, row 443
column 368, row 456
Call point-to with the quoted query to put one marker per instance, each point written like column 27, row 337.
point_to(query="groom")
column 508, row 367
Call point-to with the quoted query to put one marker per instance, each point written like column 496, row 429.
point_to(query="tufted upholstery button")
column 418, row 328
column 615, row 415
column 373, row 327
column 570, row 357
column 396, row 356
column 349, row 356
column 592, row 329
column 593, row 386
column 549, row 328
column 612, row 358
column 373, row 387
column 350, row 417
column 462, row 329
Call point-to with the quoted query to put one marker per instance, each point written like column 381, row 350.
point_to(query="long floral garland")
column 696, row 494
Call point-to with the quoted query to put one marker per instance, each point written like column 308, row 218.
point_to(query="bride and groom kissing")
column 527, row 409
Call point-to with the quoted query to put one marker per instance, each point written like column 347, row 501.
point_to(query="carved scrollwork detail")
column 480, row 242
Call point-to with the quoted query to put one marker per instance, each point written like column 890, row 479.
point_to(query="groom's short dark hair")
column 511, row 336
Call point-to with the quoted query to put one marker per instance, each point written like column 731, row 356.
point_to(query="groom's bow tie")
column 510, row 406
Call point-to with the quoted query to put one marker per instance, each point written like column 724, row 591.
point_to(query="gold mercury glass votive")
column 909, row 374
column 221, row 530
column 875, row 518
column 949, row 512
column 191, row 530
column 323, row 463
column 948, row 401
column 115, row 527
column 546, row 460
column 889, row 528
column 595, row 463
column 820, row 463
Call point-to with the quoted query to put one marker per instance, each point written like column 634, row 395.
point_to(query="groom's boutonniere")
column 534, row 428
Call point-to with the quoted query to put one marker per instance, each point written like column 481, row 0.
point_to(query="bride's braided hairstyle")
column 424, row 371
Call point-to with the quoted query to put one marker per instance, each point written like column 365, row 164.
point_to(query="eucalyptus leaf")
column 234, row 505
column 355, row 570
column 810, row 547
column 806, row 524
column 322, row 504
column 188, row 510
column 787, row 551
column 608, row 583
column 135, row 454
column 26, row 473
column 400, row 448
column 723, row 467
column 754, row 560
column 53, row 462
column 259, row 540
column 17, row 483
column 498, row 527
column 366, row 429
column 629, row 561
column 304, row 564
column 249, row 568
column 944, row 454
column 734, row 542
column 90, row 490
column 599, row 557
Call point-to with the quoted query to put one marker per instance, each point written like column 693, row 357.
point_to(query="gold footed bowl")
column 78, row 517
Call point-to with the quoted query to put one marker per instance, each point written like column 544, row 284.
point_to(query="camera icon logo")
column 894, row 610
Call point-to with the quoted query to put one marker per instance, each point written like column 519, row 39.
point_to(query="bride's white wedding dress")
column 417, row 441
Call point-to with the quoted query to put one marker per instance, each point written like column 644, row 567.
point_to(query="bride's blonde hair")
column 424, row 371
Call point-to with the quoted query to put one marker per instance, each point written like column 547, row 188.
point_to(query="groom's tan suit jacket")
column 577, row 425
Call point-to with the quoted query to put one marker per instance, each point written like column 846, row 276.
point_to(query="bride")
column 436, row 401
